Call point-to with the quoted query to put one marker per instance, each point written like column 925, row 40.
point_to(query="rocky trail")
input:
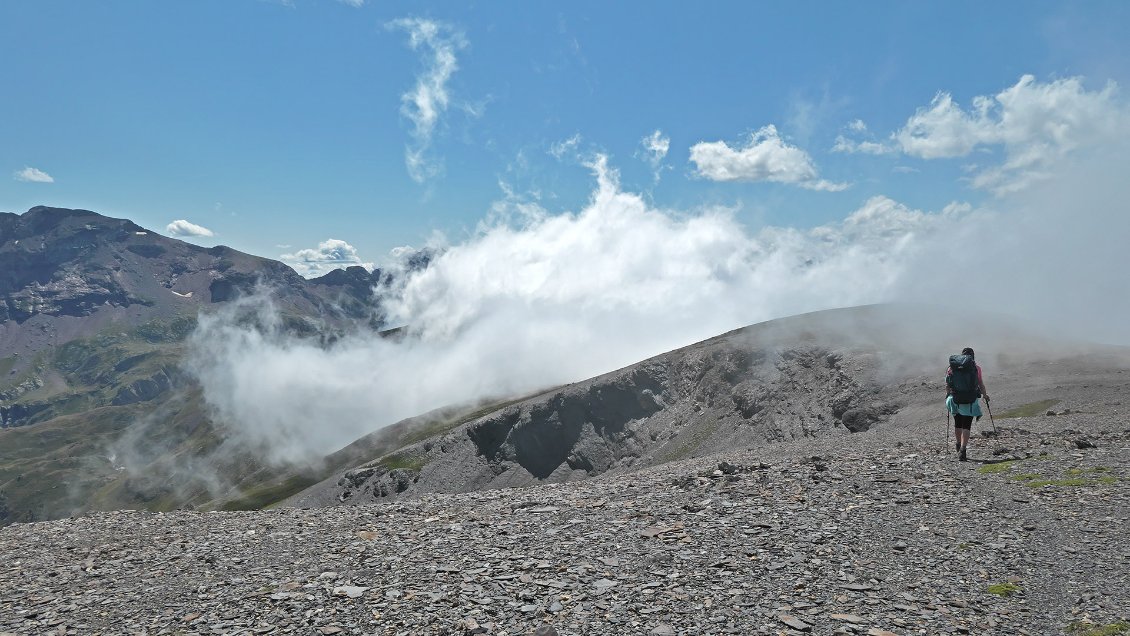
column 878, row 533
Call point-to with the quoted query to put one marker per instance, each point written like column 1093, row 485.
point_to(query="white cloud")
column 353, row 3
column 843, row 144
column 330, row 254
column 33, row 175
column 1036, row 123
column 655, row 147
column 857, row 128
column 544, row 299
column 547, row 299
column 429, row 99
column 181, row 227
column 765, row 158
column 567, row 147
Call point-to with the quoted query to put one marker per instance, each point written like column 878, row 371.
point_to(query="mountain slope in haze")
column 92, row 309
column 93, row 315
column 68, row 274
column 812, row 377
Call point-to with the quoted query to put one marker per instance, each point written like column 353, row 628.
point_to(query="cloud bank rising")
column 544, row 299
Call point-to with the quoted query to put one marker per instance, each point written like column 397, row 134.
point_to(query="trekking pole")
column 990, row 409
column 947, row 427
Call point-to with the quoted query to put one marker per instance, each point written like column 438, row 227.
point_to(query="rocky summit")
column 879, row 532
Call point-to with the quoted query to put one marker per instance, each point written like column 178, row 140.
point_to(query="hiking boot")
column 961, row 456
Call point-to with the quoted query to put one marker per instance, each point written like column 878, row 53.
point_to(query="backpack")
column 962, row 380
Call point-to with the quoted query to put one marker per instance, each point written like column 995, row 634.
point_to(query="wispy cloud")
column 843, row 144
column 766, row 157
column 560, row 149
column 429, row 99
column 353, row 3
column 330, row 254
column 867, row 146
column 655, row 147
column 33, row 175
column 1036, row 124
column 182, row 227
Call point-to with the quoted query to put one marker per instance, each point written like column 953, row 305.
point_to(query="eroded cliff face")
column 730, row 392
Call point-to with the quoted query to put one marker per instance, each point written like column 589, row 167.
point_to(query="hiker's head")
column 968, row 351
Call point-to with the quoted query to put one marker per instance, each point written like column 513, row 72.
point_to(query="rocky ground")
column 877, row 533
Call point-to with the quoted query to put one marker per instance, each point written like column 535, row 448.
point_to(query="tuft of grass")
column 1027, row 477
column 264, row 495
column 1074, row 477
column 1030, row 410
column 1087, row 628
column 402, row 461
column 1000, row 467
column 1003, row 590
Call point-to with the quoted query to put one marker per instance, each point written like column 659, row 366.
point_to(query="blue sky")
column 279, row 125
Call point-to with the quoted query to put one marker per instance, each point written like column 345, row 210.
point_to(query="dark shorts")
column 963, row 421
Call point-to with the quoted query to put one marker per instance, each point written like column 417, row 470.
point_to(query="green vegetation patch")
column 6, row 365
column 174, row 330
column 1003, row 590
column 1105, row 480
column 1073, row 477
column 1029, row 410
column 1087, row 628
column 403, row 461
column 264, row 495
column 999, row 467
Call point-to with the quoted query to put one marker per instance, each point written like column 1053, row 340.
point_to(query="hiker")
column 964, row 384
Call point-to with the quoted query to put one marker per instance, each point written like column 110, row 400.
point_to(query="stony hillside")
column 824, row 375
column 881, row 532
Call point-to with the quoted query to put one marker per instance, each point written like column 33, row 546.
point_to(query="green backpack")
column 962, row 380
